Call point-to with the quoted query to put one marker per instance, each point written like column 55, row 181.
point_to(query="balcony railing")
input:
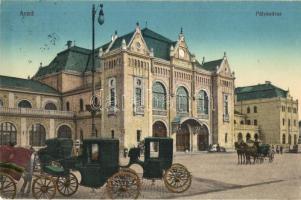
column 31, row 111
column 226, row 117
column 112, row 110
column 160, row 112
column 203, row 116
column 139, row 110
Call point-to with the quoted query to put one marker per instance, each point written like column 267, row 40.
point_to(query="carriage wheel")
column 123, row 185
column 67, row 185
column 7, row 187
column 130, row 171
column 177, row 178
column 43, row 187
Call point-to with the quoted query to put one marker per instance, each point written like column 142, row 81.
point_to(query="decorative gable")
column 138, row 44
column 180, row 51
column 224, row 68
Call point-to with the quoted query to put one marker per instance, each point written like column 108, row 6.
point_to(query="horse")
column 28, row 173
column 251, row 150
column 240, row 149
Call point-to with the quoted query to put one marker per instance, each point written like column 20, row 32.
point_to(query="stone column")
column 51, row 129
column 11, row 100
column 24, row 135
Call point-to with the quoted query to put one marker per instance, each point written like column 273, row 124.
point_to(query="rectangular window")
column 112, row 97
column 138, row 97
column 255, row 122
column 283, row 122
column 154, row 149
column 226, row 105
column 112, row 134
column 94, row 152
column 138, row 135
column 289, row 122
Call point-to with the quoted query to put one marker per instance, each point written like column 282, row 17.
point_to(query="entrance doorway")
column 203, row 138
column 183, row 139
column 159, row 129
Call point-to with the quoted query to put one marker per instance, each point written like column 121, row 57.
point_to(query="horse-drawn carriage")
column 99, row 165
column 255, row 150
column 13, row 163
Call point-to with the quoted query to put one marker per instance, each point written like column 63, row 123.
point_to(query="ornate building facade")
column 146, row 85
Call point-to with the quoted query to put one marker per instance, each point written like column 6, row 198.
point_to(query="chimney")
column 69, row 44
column 267, row 82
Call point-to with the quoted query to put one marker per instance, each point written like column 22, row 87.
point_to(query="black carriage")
column 98, row 165
column 158, row 164
column 265, row 151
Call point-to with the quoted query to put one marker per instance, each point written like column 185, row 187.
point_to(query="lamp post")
column 100, row 21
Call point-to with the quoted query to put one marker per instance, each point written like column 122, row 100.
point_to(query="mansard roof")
column 259, row 91
column 160, row 44
column 7, row 82
column 78, row 59
column 72, row 59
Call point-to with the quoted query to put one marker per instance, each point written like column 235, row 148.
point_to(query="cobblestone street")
column 219, row 176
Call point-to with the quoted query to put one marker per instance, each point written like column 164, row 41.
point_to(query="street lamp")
column 100, row 21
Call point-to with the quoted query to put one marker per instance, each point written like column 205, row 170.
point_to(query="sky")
column 259, row 48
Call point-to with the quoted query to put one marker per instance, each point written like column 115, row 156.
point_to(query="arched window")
column 202, row 102
column 81, row 105
column 24, row 104
column 159, row 96
column 239, row 137
column 67, row 106
column 255, row 122
column 50, row 106
column 248, row 110
column 289, row 139
column 248, row 136
column 283, row 139
column 1, row 103
column 64, row 132
column 255, row 109
column 37, row 135
column 182, row 100
column 256, row 137
column 8, row 133
column 226, row 137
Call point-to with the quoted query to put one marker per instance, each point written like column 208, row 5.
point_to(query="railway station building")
column 146, row 85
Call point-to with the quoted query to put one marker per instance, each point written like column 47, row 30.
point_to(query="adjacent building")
column 273, row 110
column 146, row 85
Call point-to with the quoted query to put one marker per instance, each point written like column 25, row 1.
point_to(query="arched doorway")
column 159, row 129
column 256, row 137
column 248, row 137
column 203, row 138
column 239, row 137
column 182, row 138
column 64, row 132
column 8, row 133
